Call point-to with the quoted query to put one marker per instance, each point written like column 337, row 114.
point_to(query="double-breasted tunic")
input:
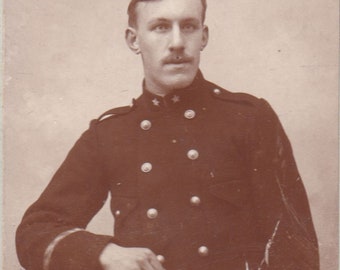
column 203, row 177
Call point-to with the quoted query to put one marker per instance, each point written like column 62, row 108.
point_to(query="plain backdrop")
column 66, row 62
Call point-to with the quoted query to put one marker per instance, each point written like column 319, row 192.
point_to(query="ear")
column 132, row 40
column 205, row 37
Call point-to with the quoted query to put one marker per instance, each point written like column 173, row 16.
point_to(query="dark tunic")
column 204, row 177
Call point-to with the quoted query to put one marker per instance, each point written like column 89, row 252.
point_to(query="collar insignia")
column 175, row 99
column 155, row 102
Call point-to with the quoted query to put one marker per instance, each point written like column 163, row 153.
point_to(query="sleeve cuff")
column 78, row 251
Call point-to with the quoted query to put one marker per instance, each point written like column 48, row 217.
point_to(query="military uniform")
column 203, row 177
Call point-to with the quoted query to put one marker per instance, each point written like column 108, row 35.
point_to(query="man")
column 200, row 178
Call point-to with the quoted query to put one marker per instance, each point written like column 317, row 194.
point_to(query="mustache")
column 177, row 59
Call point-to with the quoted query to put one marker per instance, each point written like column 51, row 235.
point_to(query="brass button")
column 193, row 154
column 152, row 213
column 160, row 258
column 117, row 213
column 203, row 251
column 145, row 124
column 189, row 114
column 195, row 200
column 217, row 91
column 146, row 167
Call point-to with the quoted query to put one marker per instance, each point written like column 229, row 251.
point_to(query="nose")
column 176, row 39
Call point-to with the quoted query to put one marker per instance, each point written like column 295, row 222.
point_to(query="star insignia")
column 175, row 99
column 155, row 102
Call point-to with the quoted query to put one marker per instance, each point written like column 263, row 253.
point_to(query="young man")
column 200, row 178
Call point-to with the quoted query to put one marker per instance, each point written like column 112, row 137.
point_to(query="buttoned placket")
column 172, row 109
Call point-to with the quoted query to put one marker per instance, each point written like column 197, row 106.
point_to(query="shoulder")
column 253, row 107
column 105, row 119
column 240, row 98
column 114, row 113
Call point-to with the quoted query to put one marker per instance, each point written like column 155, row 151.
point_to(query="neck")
column 163, row 90
column 156, row 90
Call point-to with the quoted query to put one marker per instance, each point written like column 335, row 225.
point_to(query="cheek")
column 151, row 57
column 152, row 52
column 153, row 42
column 195, row 51
column 195, row 44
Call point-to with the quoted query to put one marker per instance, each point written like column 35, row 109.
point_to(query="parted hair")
column 132, row 14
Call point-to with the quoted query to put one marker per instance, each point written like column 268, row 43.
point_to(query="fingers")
column 156, row 264
column 149, row 261
column 114, row 257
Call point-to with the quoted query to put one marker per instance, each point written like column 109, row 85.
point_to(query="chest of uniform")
column 177, row 152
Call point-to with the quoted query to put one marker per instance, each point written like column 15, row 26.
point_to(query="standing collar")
column 174, row 98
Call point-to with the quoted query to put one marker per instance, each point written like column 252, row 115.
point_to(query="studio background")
column 66, row 62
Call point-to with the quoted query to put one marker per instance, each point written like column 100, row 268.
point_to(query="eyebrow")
column 191, row 20
column 157, row 20
column 164, row 20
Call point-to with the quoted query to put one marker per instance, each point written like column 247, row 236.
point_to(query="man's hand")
column 114, row 257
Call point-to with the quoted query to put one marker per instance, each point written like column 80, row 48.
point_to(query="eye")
column 188, row 28
column 161, row 28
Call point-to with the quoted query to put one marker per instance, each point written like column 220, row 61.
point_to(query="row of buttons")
column 192, row 154
column 152, row 213
column 203, row 251
column 188, row 114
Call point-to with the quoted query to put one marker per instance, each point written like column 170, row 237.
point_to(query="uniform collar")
column 176, row 98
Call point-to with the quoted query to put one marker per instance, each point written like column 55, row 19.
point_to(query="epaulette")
column 226, row 95
column 115, row 112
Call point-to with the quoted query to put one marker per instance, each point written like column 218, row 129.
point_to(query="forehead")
column 169, row 9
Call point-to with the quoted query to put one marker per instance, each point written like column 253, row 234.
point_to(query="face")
column 169, row 35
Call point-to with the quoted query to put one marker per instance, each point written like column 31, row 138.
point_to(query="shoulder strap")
column 220, row 93
column 117, row 111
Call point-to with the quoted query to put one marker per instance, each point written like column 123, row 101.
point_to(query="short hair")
column 132, row 14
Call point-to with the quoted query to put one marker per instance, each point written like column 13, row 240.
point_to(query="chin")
column 179, row 80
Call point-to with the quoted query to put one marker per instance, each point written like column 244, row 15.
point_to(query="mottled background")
column 66, row 62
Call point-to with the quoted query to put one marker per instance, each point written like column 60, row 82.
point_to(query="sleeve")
column 75, row 194
column 284, row 224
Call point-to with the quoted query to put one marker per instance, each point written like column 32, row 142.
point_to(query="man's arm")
column 52, row 233
column 76, row 192
column 282, row 209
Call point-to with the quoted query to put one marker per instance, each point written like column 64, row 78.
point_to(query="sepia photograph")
column 170, row 135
